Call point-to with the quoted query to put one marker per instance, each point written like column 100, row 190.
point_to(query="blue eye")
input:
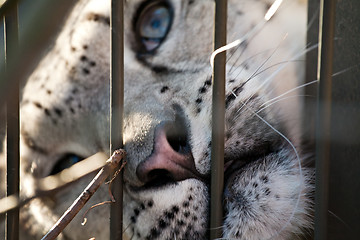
column 153, row 24
column 65, row 162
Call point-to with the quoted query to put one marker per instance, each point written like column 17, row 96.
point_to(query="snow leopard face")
column 167, row 121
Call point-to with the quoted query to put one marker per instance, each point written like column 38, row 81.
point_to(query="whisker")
column 266, row 60
column 281, row 99
column 237, row 59
column 345, row 70
column 268, row 79
column 342, row 221
column 289, row 91
column 126, row 228
column 245, row 61
column 299, row 165
column 307, row 84
column 276, row 64
column 297, row 157
column 269, row 14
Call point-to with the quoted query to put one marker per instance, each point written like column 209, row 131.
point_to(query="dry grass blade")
column 78, row 204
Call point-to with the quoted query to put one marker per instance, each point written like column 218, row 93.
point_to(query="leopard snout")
column 171, row 160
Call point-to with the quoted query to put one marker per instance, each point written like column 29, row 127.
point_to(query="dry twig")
column 65, row 219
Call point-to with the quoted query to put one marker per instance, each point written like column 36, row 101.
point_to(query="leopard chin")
column 167, row 121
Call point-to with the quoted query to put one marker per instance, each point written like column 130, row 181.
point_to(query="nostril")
column 178, row 144
column 159, row 173
column 171, row 160
column 159, row 177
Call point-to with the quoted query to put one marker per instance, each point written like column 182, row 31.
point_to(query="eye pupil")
column 65, row 162
column 153, row 24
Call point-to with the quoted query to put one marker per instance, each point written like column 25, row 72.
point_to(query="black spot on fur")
column 198, row 110
column 99, row 18
column 160, row 69
column 83, row 58
column 38, row 105
column 47, row 112
column 180, row 222
column 232, row 96
column 265, row 179
column 208, row 82
column 202, row 90
column 191, row 2
column 185, row 204
column 86, row 71
column 92, row 64
column 133, row 219
column 73, row 49
column 164, row 89
column 72, row 110
column 137, row 212
column 150, row 203
column 163, row 224
column 48, row 92
column 85, row 47
column 175, row 209
column 154, row 233
column 198, row 101
column 142, row 206
column 58, row 112
column 267, row 191
column 169, row 215
column 187, row 214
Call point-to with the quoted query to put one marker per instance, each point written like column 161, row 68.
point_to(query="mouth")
column 235, row 164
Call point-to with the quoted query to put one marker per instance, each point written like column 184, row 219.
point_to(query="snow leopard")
column 167, row 125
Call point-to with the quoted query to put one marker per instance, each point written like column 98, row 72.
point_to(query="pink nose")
column 171, row 160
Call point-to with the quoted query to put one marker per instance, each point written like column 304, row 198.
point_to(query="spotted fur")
column 65, row 110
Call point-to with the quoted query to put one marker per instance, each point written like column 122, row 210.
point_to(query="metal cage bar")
column 323, row 122
column 12, row 126
column 218, row 121
column 116, row 110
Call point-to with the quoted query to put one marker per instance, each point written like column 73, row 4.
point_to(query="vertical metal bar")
column 12, row 127
column 218, row 121
column 116, row 110
column 323, row 124
column 45, row 19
